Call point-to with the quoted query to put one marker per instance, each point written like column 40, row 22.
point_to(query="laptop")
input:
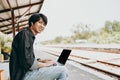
column 64, row 56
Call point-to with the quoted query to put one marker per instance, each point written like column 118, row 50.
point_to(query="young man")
column 23, row 64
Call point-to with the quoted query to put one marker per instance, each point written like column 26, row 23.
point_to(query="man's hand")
column 45, row 60
column 46, row 63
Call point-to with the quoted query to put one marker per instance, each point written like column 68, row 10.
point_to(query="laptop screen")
column 64, row 56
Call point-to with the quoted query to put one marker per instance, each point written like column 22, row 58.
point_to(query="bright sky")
column 63, row 14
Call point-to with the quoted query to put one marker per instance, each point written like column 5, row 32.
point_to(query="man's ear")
column 31, row 24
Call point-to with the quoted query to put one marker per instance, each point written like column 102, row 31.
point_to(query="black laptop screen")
column 64, row 56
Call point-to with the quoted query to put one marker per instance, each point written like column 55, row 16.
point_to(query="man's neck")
column 33, row 31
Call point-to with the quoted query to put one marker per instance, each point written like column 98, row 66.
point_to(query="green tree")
column 81, row 31
column 107, row 26
column 116, row 26
column 58, row 39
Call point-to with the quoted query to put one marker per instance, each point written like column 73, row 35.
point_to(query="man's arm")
column 42, row 63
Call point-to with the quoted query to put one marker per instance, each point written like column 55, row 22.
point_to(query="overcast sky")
column 63, row 14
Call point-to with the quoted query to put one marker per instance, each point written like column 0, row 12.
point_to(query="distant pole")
column 13, row 23
column 18, row 28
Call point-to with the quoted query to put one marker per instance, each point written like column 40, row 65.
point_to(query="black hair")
column 36, row 17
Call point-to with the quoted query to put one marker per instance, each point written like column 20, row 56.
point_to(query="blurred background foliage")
column 5, row 43
column 82, row 33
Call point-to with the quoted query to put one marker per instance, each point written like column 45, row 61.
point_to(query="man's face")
column 39, row 26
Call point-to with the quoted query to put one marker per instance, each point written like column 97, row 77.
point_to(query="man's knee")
column 61, row 69
column 64, row 73
column 64, row 68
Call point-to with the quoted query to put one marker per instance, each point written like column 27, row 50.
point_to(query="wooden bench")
column 2, row 74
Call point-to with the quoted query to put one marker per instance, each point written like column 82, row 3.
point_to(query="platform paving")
column 75, row 72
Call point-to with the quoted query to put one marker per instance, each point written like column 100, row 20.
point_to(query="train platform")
column 106, row 62
column 76, row 71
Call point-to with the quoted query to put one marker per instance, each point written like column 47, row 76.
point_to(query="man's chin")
column 39, row 31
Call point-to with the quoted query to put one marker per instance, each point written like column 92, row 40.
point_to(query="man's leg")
column 48, row 73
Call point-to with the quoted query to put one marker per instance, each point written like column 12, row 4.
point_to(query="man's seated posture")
column 23, row 64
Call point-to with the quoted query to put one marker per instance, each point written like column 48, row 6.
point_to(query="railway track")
column 110, row 66
column 98, row 48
